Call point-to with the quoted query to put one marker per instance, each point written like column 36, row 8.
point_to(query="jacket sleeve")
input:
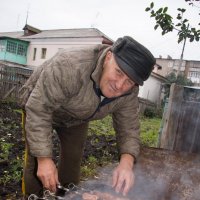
column 127, row 126
column 47, row 95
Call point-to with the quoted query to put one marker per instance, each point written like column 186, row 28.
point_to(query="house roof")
column 16, row 34
column 69, row 33
column 175, row 59
column 60, row 33
column 31, row 28
column 158, row 76
column 6, row 37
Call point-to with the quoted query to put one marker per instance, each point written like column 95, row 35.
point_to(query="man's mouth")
column 113, row 88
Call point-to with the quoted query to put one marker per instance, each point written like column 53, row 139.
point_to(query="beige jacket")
column 61, row 92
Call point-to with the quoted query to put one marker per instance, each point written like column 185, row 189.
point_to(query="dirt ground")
column 10, row 132
column 11, row 157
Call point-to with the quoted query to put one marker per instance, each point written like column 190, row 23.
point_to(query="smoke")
column 159, row 175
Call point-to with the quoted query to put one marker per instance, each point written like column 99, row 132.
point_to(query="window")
column 44, row 51
column 11, row 47
column 2, row 45
column 34, row 53
column 21, row 50
column 194, row 74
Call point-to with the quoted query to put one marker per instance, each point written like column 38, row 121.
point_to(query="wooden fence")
column 11, row 80
column 181, row 122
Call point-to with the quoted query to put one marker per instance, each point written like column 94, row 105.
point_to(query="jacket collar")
column 96, row 74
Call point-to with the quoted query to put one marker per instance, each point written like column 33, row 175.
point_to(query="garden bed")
column 99, row 150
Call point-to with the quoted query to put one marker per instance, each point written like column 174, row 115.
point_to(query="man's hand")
column 123, row 176
column 47, row 173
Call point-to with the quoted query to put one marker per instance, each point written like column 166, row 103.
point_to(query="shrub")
column 159, row 112
column 153, row 112
column 150, row 112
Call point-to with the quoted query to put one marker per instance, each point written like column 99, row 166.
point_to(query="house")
column 190, row 68
column 40, row 45
column 43, row 44
column 152, row 89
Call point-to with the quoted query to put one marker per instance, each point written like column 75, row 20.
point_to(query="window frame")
column 34, row 53
column 43, row 53
column 11, row 47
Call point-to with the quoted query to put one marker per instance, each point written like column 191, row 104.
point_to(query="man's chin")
column 111, row 95
column 105, row 94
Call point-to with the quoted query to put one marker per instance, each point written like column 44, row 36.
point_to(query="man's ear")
column 108, row 56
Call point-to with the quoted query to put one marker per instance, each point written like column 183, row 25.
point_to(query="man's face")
column 114, row 82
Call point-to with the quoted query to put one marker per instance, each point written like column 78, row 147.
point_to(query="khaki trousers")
column 72, row 142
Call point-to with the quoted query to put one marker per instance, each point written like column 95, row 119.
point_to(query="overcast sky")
column 115, row 18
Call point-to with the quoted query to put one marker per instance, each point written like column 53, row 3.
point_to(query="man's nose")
column 119, row 83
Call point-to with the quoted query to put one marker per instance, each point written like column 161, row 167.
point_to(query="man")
column 73, row 88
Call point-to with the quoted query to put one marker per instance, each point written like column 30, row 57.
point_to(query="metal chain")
column 47, row 195
column 35, row 197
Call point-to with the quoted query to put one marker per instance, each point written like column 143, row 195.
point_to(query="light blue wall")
column 2, row 49
column 14, row 56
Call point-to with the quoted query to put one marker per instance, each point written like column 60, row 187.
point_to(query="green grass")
column 149, row 128
column 89, row 169
column 149, row 136
column 101, row 127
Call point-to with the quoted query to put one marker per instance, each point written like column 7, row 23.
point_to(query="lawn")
column 149, row 129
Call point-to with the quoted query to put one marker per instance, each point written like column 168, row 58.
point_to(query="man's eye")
column 130, row 83
column 118, row 71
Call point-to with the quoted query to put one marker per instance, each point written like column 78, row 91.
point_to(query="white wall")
column 53, row 45
column 151, row 89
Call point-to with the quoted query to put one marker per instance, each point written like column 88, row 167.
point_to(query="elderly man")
column 73, row 88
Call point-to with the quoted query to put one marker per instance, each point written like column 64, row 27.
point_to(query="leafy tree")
column 167, row 23
column 179, row 80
